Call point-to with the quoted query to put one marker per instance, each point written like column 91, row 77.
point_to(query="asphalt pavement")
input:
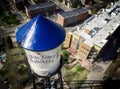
column 97, row 73
column 22, row 20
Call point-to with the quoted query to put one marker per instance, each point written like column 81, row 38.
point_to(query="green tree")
column 78, row 67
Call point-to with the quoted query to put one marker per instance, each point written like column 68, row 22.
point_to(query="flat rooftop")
column 72, row 13
column 100, row 26
column 41, row 5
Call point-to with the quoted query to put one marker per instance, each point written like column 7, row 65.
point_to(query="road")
column 22, row 20
column 7, row 30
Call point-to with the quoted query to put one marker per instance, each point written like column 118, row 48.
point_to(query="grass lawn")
column 14, row 51
column 76, row 73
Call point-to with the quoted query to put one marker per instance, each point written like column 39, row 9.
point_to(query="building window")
column 74, row 44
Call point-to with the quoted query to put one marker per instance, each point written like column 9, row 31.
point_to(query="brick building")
column 72, row 17
column 46, row 8
column 89, row 41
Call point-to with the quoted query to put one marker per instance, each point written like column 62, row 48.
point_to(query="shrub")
column 78, row 68
column 65, row 55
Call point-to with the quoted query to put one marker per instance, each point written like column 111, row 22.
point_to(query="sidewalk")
column 97, row 72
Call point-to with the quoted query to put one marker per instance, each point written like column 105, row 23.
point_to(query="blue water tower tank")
column 41, row 39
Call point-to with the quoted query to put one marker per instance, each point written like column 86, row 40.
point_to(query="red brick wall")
column 60, row 20
column 72, row 20
column 82, row 16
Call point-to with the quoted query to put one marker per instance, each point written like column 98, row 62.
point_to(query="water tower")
column 41, row 39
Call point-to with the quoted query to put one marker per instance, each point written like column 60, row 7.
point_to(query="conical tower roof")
column 40, row 34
